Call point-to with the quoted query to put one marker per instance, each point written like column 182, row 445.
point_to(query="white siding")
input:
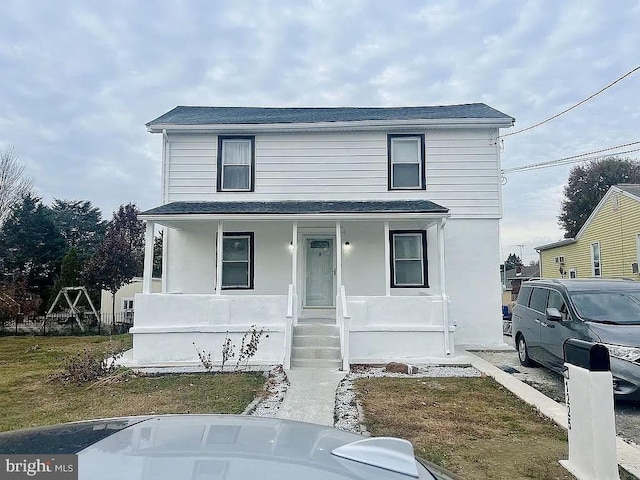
column 461, row 169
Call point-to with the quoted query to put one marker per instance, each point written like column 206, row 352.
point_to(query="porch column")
column 443, row 289
column 338, row 258
column 219, row 237
column 294, row 255
column 387, row 260
column 147, row 275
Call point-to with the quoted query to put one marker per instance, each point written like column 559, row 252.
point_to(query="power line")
column 574, row 158
column 574, row 106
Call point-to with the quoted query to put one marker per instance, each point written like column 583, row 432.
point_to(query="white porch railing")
column 344, row 321
column 288, row 327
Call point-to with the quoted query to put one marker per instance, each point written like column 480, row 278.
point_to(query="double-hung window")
column 237, row 260
column 408, row 258
column 596, row 268
column 236, row 164
column 406, row 162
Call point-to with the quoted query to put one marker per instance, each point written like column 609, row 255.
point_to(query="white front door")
column 319, row 290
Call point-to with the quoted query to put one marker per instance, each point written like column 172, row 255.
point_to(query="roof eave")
column 332, row 126
column 291, row 216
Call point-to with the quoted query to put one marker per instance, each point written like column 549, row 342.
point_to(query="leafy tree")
column 81, row 225
column 586, row 186
column 13, row 183
column 120, row 256
column 125, row 224
column 157, row 255
column 513, row 261
column 29, row 240
column 69, row 273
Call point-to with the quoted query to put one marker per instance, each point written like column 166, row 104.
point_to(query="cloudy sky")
column 79, row 79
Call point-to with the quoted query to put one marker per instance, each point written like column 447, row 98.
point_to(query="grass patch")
column 473, row 427
column 29, row 398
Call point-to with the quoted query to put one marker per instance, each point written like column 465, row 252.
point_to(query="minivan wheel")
column 523, row 353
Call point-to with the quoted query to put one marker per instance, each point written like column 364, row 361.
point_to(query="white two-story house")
column 350, row 235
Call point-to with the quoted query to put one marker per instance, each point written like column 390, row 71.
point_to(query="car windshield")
column 621, row 307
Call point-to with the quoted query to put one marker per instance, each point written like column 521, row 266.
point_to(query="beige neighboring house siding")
column 615, row 229
column 128, row 291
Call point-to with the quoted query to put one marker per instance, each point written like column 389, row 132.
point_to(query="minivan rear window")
column 523, row 296
column 538, row 300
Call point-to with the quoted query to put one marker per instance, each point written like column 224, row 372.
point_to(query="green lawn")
column 29, row 398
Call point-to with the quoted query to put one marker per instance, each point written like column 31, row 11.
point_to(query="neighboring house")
column 513, row 278
column 124, row 301
column 607, row 245
column 381, row 222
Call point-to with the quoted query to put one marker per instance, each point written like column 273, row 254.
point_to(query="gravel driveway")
column 552, row 385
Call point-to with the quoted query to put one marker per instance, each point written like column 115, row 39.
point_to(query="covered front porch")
column 378, row 273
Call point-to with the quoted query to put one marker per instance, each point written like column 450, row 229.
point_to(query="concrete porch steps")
column 316, row 345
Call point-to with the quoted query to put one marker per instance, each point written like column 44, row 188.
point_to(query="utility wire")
column 573, row 159
column 574, row 106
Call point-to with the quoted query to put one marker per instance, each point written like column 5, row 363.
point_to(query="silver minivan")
column 548, row 312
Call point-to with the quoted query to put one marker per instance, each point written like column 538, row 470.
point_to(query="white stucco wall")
column 473, row 281
column 168, row 327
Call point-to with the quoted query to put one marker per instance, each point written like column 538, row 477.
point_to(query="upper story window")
column 406, row 161
column 236, row 164
column 408, row 258
column 596, row 268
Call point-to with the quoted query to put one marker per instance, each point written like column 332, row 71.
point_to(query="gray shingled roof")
column 258, row 115
column 632, row 188
column 290, row 207
column 556, row 244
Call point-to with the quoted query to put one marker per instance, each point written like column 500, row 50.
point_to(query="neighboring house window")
column 573, row 273
column 596, row 269
column 127, row 309
column 236, row 164
column 408, row 258
column 638, row 248
column 237, row 260
column 406, row 162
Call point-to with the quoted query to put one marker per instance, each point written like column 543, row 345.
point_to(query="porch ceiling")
column 178, row 212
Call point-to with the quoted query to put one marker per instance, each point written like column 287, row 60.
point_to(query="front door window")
column 319, row 273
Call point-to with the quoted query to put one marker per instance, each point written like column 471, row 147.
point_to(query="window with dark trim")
column 237, row 260
column 408, row 258
column 236, row 163
column 406, row 164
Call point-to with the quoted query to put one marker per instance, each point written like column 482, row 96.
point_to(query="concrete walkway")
column 311, row 396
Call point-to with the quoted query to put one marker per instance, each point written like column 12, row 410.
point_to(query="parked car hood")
column 617, row 334
column 219, row 446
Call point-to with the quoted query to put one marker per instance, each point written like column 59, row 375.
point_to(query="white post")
column 592, row 428
column 387, row 260
column 294, row 271
column 219, row 238
column 294, row 254
column 147, row 275
column 338, row 263
column 443, row 285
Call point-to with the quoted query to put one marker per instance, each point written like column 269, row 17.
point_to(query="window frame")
column 252, row 165
column 421, row 162
column 250, row 261
column 425, row 262
column 593, row 260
